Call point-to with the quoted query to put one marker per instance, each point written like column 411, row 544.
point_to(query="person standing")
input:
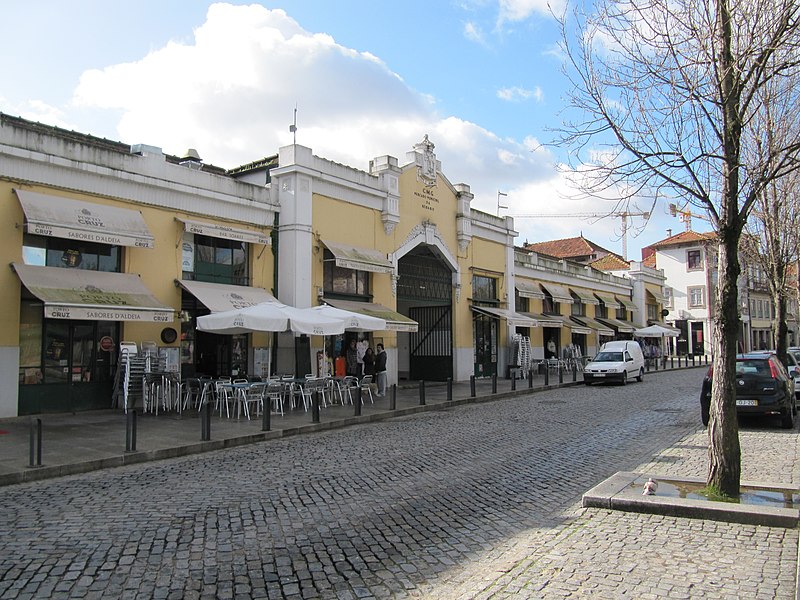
column 369, row 362
column 380, row 370
column 351, row 358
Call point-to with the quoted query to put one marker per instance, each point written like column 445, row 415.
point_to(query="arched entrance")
column 424, row 293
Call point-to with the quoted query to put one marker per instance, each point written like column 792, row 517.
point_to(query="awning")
column 514, row 319
column 529, row 290
column 92, row 295
column 586, row 297
column 619, row 325
column 657, row 296
column 597, row 326
column 628, row 304
column 577, row 326
column 558, row 292
column 394, row 320
column 544, row 320
column 219, row 297
column 225, row 232
column 360, row 259
column 608, row 300
column 56, row 216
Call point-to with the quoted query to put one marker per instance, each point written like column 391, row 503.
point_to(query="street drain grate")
column 553, row 402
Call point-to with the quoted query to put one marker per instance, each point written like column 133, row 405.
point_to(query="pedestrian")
column 351, row 359
column 380, row 370
column 369, row 362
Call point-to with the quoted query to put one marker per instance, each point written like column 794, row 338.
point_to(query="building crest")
column 426, row 163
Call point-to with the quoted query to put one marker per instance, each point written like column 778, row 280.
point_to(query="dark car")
column 763, row 388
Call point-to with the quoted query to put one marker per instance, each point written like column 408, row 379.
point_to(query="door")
column 431, row 346
column 485, row 336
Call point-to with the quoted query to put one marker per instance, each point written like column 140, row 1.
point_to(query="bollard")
column 266, row 416
column 205, row 423
column 574, row 373
column 36, row 443
column 692, row 360
column 560, row 374
column 530, row 379
column 671, row 362
column 513, row 381
column 472, row 386
column 422, row 392
column 315, row 407
column 130, row 432
column 494, row 383
column 658, row 360
column 357, row 404
column 546, row 375
column 647, row 365
column 449, row 389
column 393, row 397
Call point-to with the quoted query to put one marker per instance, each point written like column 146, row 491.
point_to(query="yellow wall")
column 158, row 267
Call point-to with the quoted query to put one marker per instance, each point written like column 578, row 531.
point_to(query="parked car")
column 763, row 388
column 793, row 356
column 616, row 361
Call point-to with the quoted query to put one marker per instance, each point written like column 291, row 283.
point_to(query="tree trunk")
column 724, row 452
column 780, row 330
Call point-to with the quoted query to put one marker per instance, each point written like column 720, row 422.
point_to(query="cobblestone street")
column 477, row 501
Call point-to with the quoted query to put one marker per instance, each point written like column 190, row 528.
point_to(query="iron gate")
column 432, row 344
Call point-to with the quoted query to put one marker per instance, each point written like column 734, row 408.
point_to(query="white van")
column 616, row 361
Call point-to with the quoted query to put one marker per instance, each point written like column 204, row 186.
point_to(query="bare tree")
column 667, row 93
column 771, row 244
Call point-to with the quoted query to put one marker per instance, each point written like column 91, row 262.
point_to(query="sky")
column 482, row 78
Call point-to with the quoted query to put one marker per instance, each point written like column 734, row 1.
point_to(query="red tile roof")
column 685, row 237
column 650, row 261
column 610, row 262
column 566, row 248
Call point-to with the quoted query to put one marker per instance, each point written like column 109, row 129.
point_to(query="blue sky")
column 481, row 77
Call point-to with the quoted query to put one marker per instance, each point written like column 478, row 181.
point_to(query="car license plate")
column 599, row 374
column 747, row 403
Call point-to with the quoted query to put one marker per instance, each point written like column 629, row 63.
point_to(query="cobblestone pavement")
column 478, row 501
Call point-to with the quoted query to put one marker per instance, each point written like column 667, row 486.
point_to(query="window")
column 550, row 306
column 601, row 311
column 667, row 297
column 342, row 281
column 622, row 313
column 578, row 308
column 484, row 288
column 45, row 251
column 697, row 296
column 652, row 312
column 694, row 260
column 218, row 260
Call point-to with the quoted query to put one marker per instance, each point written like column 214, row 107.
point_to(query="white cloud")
column 474, row 33
column 514, row 94
column 519, row 10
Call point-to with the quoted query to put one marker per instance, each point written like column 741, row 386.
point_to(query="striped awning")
column 608, row 300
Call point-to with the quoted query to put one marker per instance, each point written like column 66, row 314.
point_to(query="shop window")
column 484, row 288
column 43, row 251
column 694, row 260
column 340, row 281
column 697, row 297
column 217, row 260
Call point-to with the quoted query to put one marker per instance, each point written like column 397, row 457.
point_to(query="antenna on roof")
column 293, row 127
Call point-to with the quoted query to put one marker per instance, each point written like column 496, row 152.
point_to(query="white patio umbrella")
column 352, row 320
column 656, row 331
column 270, row 316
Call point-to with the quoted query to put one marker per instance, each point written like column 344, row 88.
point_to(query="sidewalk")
column 73, row 443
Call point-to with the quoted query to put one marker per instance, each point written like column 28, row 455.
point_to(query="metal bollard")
column 647, row 365
column 671, row 362
column 530, row 379
column 266, row 416
column 546, row 375
column 560, row 374
column 393, row 397
column 130, row 432
column 692, row 360
column 357, row 404
column 36, row 443
column 472, row 386
column 315, row 407
column 422, row 392
column 513, row 381
column 494, row 383
column 205, row 423
column 574, row 373
column 449, row 389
